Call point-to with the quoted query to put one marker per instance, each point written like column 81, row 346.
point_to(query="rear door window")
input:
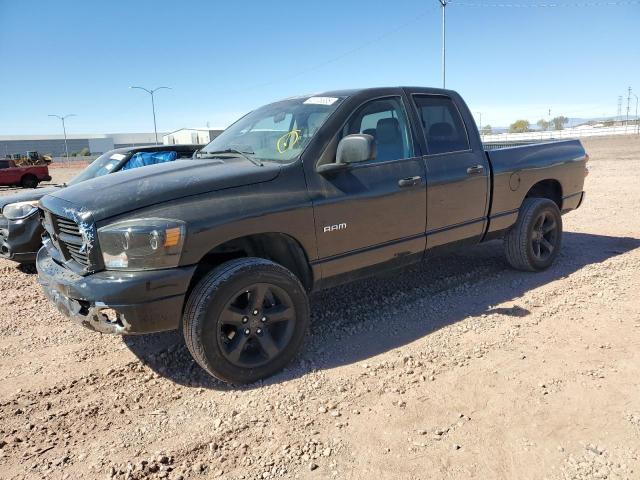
column 442, row 124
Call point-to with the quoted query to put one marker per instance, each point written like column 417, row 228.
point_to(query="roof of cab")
column 372, row 90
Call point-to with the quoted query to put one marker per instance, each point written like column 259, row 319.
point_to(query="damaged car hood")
column 28, row 196
column 122, row 192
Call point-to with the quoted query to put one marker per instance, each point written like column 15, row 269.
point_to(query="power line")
column 548, row 5
column 342, row 55
column 417, row 18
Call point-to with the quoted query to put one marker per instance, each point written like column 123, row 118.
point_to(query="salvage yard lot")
column 458, row 368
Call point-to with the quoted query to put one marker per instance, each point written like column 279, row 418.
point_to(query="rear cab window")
column 442, row 124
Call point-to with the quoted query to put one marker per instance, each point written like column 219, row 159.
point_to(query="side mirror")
column 354, row 148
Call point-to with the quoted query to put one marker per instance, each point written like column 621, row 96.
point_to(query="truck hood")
column 122, row 192
column 27, row 196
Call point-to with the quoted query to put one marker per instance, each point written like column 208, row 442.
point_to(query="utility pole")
column 64, row 130
column 480, row 121
column 153, row 106
column 637, row 120
column 628, row 104
column 444, row 3
column 619, row 107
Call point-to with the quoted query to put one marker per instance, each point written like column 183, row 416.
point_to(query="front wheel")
column 245, row 320
column 533, row 243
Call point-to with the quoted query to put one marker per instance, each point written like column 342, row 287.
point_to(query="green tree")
column 84, row 152
column 543, row 124
column 519, row 126
column 559, row 122
column 487, row 130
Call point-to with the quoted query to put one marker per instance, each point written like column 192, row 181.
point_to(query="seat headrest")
column 441, row 129
column 388, row 130
column 370, row 131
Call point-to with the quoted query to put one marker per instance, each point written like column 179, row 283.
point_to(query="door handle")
column 475, row 170
column 410, row 181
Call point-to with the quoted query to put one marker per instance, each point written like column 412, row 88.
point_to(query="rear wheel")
column 29, row 181
column 246, row 320
column 533, row 243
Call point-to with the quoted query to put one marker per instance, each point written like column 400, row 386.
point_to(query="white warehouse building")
column 54, row 144
column 197, row 136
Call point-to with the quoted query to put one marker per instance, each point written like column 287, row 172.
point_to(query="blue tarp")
column 142, row 159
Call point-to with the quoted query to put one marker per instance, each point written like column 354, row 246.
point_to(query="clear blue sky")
column 225, row 58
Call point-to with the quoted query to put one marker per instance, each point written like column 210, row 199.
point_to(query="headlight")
column 144, row 244
column 20, row 210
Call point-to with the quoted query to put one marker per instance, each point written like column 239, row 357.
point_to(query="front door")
column 375, row 211
column 457, row 174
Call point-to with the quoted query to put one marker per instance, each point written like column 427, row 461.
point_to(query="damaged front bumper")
column 21, row 239
column 116, row 302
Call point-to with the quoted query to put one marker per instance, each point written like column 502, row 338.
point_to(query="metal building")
column 54, row 144
column 191, row 136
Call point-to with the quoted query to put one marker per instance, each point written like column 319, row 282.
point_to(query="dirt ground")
column 458, row 368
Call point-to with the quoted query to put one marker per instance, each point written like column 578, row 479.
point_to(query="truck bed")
column 560, row 164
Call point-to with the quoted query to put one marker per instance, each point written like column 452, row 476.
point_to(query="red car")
column 26, row 177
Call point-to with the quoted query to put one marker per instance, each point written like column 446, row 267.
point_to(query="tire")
column 29, row 181
column 533, row 242
column 222, row 308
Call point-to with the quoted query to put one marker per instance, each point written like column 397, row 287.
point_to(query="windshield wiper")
column 245, row 155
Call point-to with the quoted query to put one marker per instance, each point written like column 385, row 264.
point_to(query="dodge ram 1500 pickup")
column 296, row 196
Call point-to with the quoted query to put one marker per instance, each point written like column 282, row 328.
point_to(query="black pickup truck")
column 298, row 195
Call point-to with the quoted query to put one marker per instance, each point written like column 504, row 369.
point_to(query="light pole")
column 153, row 105
column 444, row 3
column 64, row 130
column 480, row 121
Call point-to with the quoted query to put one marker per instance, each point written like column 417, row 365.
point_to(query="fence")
column 584, row 131
column 73, row 162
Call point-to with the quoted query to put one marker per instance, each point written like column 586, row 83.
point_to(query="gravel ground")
column 459, row 368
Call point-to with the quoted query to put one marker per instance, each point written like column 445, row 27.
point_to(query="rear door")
column 458, row 172
column 375, row 211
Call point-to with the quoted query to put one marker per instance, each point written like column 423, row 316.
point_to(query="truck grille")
column 70, row 240
column 67, row 238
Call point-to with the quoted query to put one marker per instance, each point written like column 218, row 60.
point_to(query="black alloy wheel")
column 246, row 319
column 534, row 241
column 255, row 325
column 544, row 236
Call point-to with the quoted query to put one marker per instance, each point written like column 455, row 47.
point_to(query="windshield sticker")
column 320, row 101
column 117, row 156
column 288, row 140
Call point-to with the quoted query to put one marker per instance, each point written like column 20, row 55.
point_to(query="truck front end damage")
column 115, row 302
column 72, row 275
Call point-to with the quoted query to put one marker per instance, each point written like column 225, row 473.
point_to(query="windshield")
column 276, row 132
column 102, row 165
